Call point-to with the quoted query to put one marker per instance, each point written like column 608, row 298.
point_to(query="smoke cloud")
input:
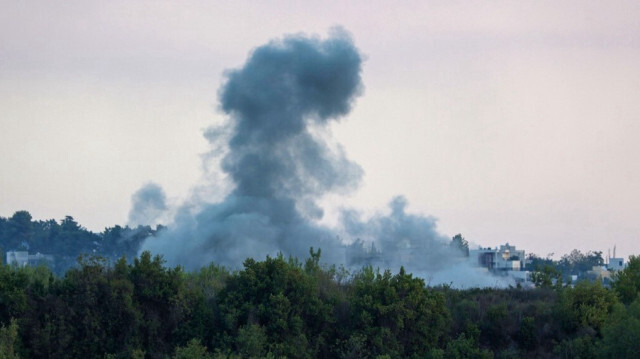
column 273, row 151
column 148, row 205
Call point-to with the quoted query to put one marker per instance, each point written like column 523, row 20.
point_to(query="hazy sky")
column 513, row 121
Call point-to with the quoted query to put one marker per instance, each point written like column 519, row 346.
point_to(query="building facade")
column 505, row 258
column 23, row 258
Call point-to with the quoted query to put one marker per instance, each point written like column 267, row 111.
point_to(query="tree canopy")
column 114, row 307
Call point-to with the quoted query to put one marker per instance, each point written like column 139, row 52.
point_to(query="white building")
column 23, row 258
column 17, row 258
column 615, row 264
column 505, row 258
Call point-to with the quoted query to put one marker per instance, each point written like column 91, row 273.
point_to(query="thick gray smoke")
column 397, row 238
column 401, row 239
column 280, row 166
column 148, row 204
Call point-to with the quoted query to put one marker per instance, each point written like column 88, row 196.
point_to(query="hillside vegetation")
column 285, row 307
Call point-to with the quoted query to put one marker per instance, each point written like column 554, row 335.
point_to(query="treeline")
column 576, row 264
column 105, row 306
column 66, row 240
column 282, row 307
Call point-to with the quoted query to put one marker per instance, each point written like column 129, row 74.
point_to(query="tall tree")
column 458, row 242
column 627, row 281
column 621, row 332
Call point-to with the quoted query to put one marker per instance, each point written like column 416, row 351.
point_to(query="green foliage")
column 397, row 314
column 193, row 350
column 501, row 315
column 209, row 280
column 585, row 306
column 495, row 325
column 536, row 262
column 283, row 307
column 463, row 347
column 93, row 313
column 9, row 340
column 158, row 295
column 13, row 298
column 279, row 298
column 459, row 243
column 579, row 263
column 18, row 231
column 466, row 345
column 252, row 341
column 547, row 277
column 621, row 332
column 582, row 347
column 526, row 337
column 138, row 354
column 354, row 347
column 575, row 263
column 67, row 240
column 627, row 281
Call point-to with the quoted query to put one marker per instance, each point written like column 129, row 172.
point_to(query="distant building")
column 615, row 264
column 601, row 273
column 17, row 258
column 23, row 258
column 505, row 258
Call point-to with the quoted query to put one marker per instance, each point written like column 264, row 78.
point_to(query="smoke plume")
column 148, row 205
column 280, row 164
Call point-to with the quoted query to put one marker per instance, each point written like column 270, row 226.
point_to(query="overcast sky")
column 513, row 121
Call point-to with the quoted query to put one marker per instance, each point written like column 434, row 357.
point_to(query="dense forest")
column 286, row 307
column 67, row 240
